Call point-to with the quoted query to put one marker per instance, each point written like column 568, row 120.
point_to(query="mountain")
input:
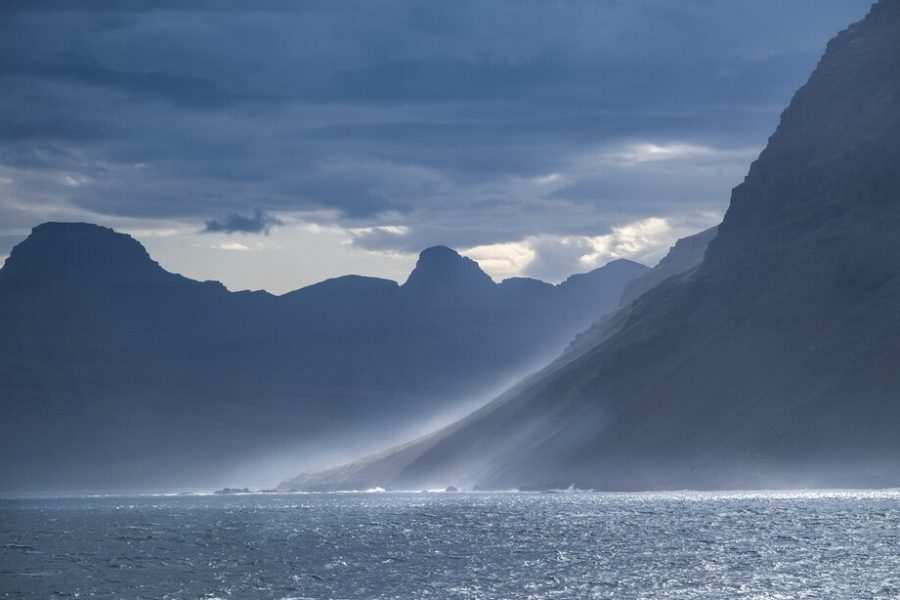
column 117, row 373
column 686, row 254
column 771, row 364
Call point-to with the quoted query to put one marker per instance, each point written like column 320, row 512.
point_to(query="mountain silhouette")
column 771, row 364
column 441, row 274
column 116, row 373
column 686, row 254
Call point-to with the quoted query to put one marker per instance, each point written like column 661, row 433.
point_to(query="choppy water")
column 579, row 545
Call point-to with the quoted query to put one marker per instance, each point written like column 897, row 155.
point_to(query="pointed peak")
column 438, row 249
column 436, row 253
column 443, row 267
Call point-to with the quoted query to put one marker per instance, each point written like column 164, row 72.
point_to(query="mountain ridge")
column 771, row 364
column 103, row 353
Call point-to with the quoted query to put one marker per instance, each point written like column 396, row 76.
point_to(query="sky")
column 270, row 145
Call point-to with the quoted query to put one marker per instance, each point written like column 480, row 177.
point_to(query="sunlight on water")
column 822, row 544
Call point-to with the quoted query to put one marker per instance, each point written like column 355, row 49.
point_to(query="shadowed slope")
column 771, row 364
column 114, row 372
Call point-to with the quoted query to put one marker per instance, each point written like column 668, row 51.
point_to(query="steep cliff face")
column 773, row 363
column 686, row 254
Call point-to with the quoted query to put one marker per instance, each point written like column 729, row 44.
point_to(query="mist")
column 619, row 280
column 271, row 466
column 122, row 376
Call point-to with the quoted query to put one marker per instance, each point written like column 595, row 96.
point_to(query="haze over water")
column 454, row 545
column 538, row 158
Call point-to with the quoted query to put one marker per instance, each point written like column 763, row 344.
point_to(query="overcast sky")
column 277, row 146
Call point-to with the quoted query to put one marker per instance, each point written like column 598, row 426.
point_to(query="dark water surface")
column 454, row 545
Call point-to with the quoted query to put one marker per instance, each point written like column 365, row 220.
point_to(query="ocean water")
column 454, row 545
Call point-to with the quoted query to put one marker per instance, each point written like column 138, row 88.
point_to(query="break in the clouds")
column 543, row 137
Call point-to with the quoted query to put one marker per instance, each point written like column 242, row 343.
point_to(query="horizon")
column 685, row 494
column 400, row 282
column 611, row 141
column 396, row 298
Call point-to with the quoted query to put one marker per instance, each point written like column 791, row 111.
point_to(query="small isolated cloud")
column 260, row 222
column 232, row 246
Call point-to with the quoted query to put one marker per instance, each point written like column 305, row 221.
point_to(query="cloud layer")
column 536, row 127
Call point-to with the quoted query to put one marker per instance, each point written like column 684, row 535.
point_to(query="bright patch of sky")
column 276, row 145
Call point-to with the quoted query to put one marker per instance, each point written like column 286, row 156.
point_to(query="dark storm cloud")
column 259, row 222
column 442, row 117
column 191, row 92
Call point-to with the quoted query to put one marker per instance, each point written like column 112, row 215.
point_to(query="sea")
column 566, row 545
